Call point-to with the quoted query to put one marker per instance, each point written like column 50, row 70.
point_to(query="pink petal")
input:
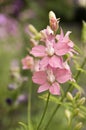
column 44, row 62
column 55, row 89
column 63, row 75
column 61, row 48
column 60, row 36
column 66, row 37
column 39, row 77
column 71, row 44
column 43, row 87
column 38, row 51
column 67, row 34
column 56, row 61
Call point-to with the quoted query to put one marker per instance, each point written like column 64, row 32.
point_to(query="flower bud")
column 38, row 36
column 68, row 115
column 81, row 115
column 82, row 101
column 78, row 95
column 32, row 29
column 69, row 96
column 78, row 126
column 76, row 111
column 52, row 15
column 54, row 23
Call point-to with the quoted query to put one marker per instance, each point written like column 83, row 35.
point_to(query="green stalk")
column 70, row 88
column 29, row 106
column 44, row 112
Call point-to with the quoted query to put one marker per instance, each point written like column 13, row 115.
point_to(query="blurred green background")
column 15, row 15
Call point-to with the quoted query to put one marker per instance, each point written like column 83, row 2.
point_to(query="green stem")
column 29, row 105
column 44, row 112
column 70, row 88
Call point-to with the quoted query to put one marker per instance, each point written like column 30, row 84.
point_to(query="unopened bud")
column 38, row 36
column 54, row 23
column 68, row 115
column 81, row 115
column 76, row 111
column 78, row 126
column 78, row 95
column 52, row 15
column 69, row 96
column 32, row 29
column 82, row 101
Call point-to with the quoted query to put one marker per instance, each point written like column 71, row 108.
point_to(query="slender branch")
column 70, row 88
column 44, row 112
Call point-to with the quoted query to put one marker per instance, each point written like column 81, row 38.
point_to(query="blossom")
column 64, row 45
column 47, row 54
column 28, row 62
column 51, row 79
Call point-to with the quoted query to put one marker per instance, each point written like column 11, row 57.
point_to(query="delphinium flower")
column 28, row 62
column 51, row 78
column 53, row 68
column 47, row 53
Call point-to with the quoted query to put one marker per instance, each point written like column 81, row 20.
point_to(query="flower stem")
column 70, row 88
column 29, row 106
column 44, row 111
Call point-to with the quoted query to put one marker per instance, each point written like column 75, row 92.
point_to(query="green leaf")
column 74, row 84
column 23, row 125
column 76, row 48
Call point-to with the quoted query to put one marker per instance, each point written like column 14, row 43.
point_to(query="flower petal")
column 55, row 89
column 56, row 61
column 44, row 62
column 60, row 36
column 38, row 51
column 63, row 75
column 61, row 48
column 39, row 77
column 43, row 87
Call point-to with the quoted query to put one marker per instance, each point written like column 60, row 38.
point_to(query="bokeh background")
column 15, row 15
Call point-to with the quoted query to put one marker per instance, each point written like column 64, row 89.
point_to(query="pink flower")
column 64, row 44
column 50, row 79
column 28, row 62
column 48, row 55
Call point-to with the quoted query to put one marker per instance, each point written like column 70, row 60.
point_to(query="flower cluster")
column 53, row 68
